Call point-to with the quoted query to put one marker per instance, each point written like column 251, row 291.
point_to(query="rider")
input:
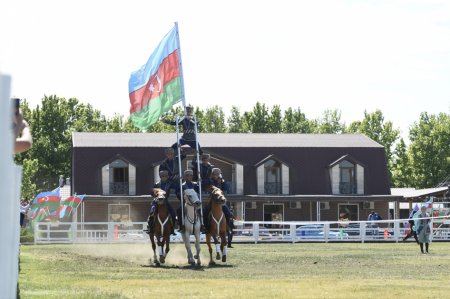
column 188, row 184
column 170, row 164
column 188, row 124
column 165, row 185
column 205, row 169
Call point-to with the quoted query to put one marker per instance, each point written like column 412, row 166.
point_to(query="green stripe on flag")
column 151, row 113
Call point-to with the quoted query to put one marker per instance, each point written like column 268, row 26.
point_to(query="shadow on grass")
column 187, row 267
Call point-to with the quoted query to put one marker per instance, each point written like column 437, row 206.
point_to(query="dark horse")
column 218, row 224
column 162, row 227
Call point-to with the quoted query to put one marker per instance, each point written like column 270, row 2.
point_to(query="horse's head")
column 191, row 198
column 159, row 195
column 217, row 196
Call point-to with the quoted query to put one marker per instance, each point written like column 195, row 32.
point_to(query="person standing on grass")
column 422, row 228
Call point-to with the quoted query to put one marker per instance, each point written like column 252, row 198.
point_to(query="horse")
column 162, row 227
column 192, row 223
column 218, row 225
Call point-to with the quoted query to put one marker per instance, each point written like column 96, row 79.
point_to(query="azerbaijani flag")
column 67, row 205
column 49, row 199
column 157, row 85
column 41, row 214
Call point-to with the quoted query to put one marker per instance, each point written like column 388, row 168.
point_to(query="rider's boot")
column 227, row 218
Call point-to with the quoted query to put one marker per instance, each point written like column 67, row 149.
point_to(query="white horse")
column 192, row 223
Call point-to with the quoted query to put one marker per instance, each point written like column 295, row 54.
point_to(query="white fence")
column 246, row 231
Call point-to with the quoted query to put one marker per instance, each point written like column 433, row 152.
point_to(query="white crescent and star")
column 152, row 87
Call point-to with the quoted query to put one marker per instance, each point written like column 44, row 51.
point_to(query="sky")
column 353, row 56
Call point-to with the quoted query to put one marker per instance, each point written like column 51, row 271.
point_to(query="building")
column 289, row 177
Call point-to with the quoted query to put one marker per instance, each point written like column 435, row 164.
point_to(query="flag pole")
column 180, row 63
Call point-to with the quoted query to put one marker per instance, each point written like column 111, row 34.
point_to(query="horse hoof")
column 224, row 258
column 212, row 263
column 218, row 256
column 162, row 259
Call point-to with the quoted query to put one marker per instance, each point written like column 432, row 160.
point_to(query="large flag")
column 49, row 199
column 68, row 205
column 157, row 85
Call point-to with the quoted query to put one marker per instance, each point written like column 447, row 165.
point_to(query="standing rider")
column 188, row 125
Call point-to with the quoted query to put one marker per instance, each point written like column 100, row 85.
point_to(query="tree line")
column 422, row 162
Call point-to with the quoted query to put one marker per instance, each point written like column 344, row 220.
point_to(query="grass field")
column 306, row 270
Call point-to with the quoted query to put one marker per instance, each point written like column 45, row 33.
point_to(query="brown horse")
column 162, row 227
column 218, row 225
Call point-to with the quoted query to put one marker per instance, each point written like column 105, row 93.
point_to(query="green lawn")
column 306, row 270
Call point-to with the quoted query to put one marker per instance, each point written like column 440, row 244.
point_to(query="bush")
column 26, row 236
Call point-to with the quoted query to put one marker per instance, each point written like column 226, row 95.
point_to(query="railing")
column 347, row 188
column 119, row 188
column 272, row 188
column 245, row 232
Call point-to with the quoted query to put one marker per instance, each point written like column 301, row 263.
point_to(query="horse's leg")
column 187, row 244
column 167, row 237
column 155, row 258
column 197, row 243
column 216, row 243
column 223, row 245
column 208, row 242
column 162, row 256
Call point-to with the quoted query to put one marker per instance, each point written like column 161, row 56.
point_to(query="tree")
column 430, row 149
column 274, row 120
column 213, row 120
column 258, row 120
column 374, row 126
column 330, row 123
column 295, row 121
column 401, row 169
column 235, row 122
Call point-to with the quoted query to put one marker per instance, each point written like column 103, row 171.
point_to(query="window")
column 349, row 212
column 347, row 182
column 118, row 180
column 119, row 213
column 272, row 177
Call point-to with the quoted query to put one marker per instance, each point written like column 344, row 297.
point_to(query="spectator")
column 422, row 228
column 24, row 207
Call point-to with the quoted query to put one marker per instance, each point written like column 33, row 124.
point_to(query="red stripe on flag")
column 167, row 71
column 48, row 198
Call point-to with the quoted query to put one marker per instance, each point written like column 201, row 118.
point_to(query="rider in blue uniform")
column 205, row 169
column 218, row 182
column 188, row 125
column 170, row 164
column 167, row 186
column 188, row 184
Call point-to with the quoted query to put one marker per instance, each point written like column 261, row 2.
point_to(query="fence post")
column 110, row 231
column 396, row 231
column 362, row 231
column 293, row 232
column 256, row 231
column 326, row 231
